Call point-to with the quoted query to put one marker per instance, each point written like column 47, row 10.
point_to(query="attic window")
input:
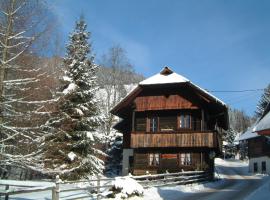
column 166, row 71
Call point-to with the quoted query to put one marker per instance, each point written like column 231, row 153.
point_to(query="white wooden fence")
column 179, row 178
column 21, row 188
column 94, row 186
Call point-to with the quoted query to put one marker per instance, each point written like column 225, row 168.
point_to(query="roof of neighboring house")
column 264, row 122
column 248, row 134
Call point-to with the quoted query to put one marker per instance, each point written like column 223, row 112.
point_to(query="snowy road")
column 236, row 184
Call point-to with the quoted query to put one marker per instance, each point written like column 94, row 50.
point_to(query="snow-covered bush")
column 125, row 187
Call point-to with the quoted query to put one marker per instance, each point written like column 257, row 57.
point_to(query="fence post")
column 98, row 187
column 147, row 179
column 165, row 176
column 56, row 189
column 7, row 188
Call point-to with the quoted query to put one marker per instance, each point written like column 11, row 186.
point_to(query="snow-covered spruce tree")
column 264, row 100
column 229, row 137
column 114, row 150
column 72, row 150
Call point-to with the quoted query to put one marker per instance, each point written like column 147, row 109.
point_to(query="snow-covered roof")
column 162, row 79
column 167, row 76
column 248, row 134
column 236, row 139
column 263, row 124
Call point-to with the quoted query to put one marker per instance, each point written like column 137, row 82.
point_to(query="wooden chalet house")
column 170, row 124
column 258, row 144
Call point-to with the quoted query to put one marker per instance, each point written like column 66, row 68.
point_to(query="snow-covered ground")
column 235, row 183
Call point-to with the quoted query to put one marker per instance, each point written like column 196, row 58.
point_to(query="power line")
column 236, row 91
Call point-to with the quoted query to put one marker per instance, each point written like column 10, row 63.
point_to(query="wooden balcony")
column 174, row 139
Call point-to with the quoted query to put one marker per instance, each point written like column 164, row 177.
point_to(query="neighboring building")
column 257, row 139
column 263, row 125
column 170, row 124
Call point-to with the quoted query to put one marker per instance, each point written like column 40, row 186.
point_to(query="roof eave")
column 126, row 100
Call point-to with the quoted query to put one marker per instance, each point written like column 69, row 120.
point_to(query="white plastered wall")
column 259, row 161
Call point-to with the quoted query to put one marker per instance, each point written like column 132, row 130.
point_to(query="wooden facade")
column 170, row 162
column 144, row 103
column 171, row 127
column 258, row 147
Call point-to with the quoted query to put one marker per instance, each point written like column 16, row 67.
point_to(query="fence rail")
column 179, row 178
column 95, row 186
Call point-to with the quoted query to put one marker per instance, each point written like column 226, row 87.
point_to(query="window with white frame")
column 154, row 159
column 185, row 159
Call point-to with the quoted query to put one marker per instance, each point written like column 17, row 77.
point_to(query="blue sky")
column 217, row 44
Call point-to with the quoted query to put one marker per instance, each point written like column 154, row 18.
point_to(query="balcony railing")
column 174, row 139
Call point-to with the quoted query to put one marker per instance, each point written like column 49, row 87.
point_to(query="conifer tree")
column 72, row 149
column 263, row 102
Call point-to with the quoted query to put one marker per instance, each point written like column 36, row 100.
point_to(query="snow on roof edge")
column 208, row 93
column 248, row 134
column 263, row 123
column 164, row 79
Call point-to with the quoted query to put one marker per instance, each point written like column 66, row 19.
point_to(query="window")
column 140, row 124
column 153, row 124
column 255, row 167
column 153, row 159
column 167, row 123
column 185, row 159
column 185, row 121
column 263, row 166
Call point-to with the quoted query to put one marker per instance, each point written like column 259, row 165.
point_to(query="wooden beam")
column 133, row 120
column 202, row 120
